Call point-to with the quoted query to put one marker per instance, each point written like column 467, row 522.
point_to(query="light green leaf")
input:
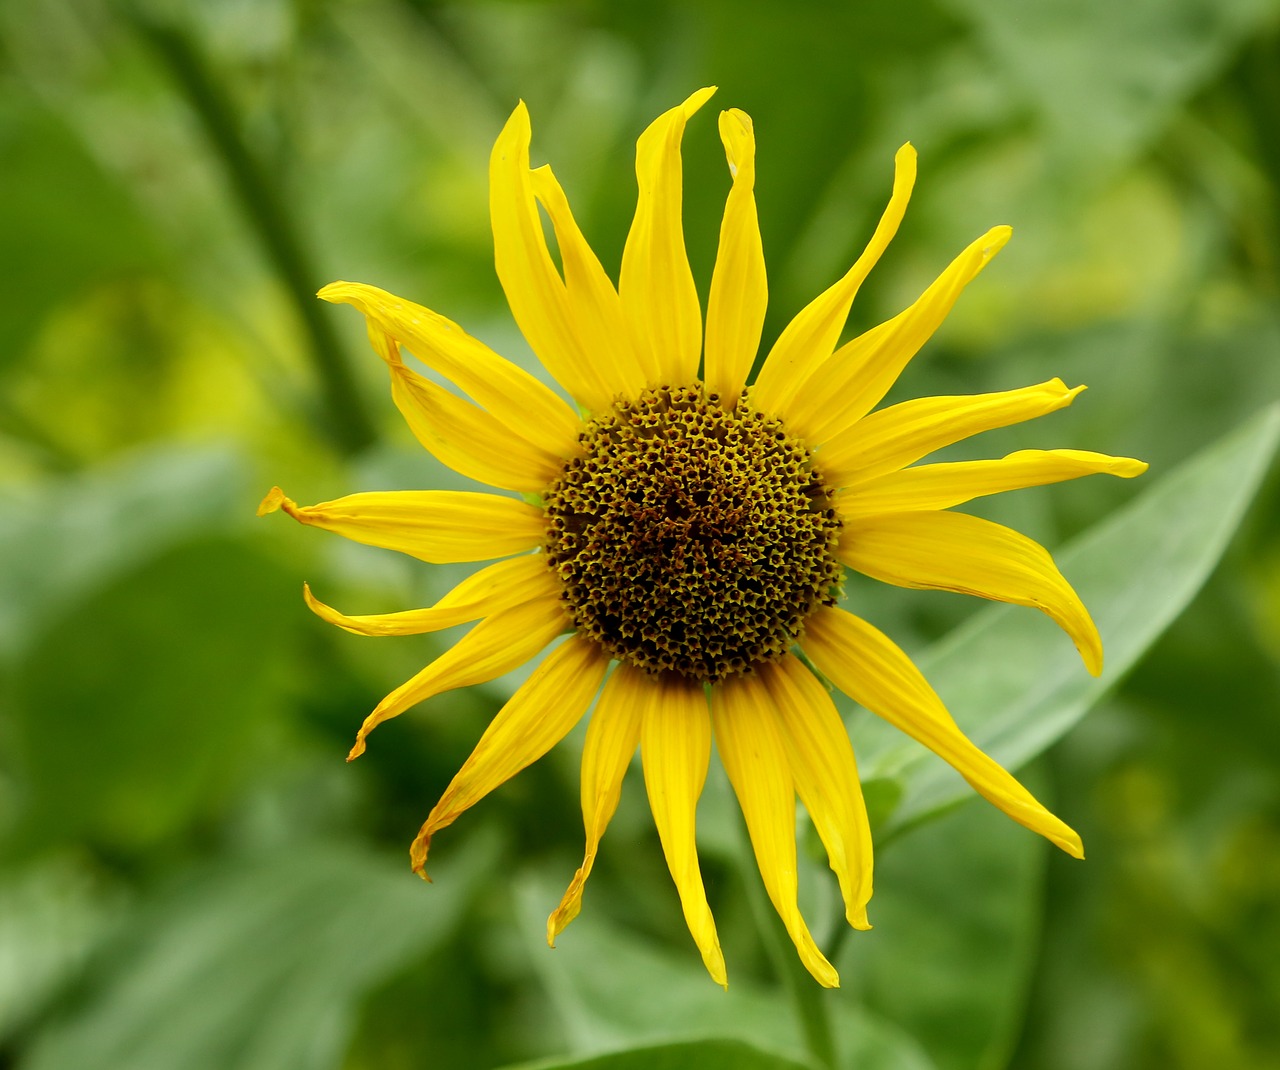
column 259, row 965
column 699, row 1055
column 1011, row 679
column 610, row 989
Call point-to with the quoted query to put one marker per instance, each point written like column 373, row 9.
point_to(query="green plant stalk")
column 806, row 994
column 350, row 426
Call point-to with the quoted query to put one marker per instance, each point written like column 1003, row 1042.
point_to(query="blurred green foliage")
column 189, row 874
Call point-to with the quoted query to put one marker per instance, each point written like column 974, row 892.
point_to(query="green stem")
column 806, row 994
column 265, row 210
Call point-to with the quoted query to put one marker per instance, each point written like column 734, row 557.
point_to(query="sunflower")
column 690, row 532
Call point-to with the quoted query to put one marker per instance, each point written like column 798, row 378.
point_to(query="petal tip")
column 275, row 501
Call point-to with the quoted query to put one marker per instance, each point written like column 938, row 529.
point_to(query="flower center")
column 690, row 538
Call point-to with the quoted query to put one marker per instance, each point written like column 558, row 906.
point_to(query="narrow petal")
column 537, row 717
column 739, row 292
column 491, row 590
column 808, row 339
column 612, row 738
column 944, row 551
column 510, row 393
column 750, row 742
column 595, row 309
column 533, row 286
column 826, row 777
column 901, row 434
column 868, row 667
column 675, row 744
column 941, row 486
column 659, row 297
column 859, row 374
column 496, row 645
column 438, row 526
column 460, row 434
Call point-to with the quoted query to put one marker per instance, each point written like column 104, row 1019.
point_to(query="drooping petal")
column 675, row 745
column 439, row 526
column 860, row 373
column 460, row 434
column 751, row 747
column 612, row 738
column 826, row 777
column 534, row 288
column 941, row 486
column 944, row 551
column 656, row 285
column 808, row 339
column 510, row 393
column 594, row 306
column 901, row 434
column 868, row 667
column 739, row 291
column 494, row 588
column 540, row 714
column 496, row 645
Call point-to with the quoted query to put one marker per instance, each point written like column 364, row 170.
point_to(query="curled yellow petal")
column 537, row 717
column 612, row 738
column 460, row 434
column 941, row 486
column 749, row 739
column 496, row 645
column 739, row 291
column 438, row 526
column 491, row 590
column 658, row 294
column 808, row 339
column 535, row 291
column 945, row 551
column 675, row 745
column 859, row 374
column 826, row 777
column 868, row 667
column 901, row 434
column 510, row 393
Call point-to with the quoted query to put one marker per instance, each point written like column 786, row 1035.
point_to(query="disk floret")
column 690, row 537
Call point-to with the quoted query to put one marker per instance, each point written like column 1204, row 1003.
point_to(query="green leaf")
column 67, row 538
column 957, row 928
column 699, row 1055
column 260, row 964
column 610, row 989
column 1010, row 678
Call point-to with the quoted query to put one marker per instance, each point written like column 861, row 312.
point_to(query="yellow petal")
column 826, row 777
column 940, row 486
column 612, row 738
column 595, row 309
column 510, row 393
column 859, row 374
column 901, row 434
column 658, row 294
column 955, row 552
column 438, row 526
column 750, row 742
column 491, row 590
column 535, row 719
column 868, row 667
column 809, row 339
column 496, row 645
column 460, row 434
column 675, row 744
column 534, row 289
column 739, row 292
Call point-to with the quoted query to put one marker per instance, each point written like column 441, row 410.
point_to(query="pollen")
column 690, row 537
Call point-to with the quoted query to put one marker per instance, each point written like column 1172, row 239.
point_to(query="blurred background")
column 190, row 876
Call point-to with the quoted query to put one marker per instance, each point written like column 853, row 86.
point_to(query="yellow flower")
column 689, row 531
